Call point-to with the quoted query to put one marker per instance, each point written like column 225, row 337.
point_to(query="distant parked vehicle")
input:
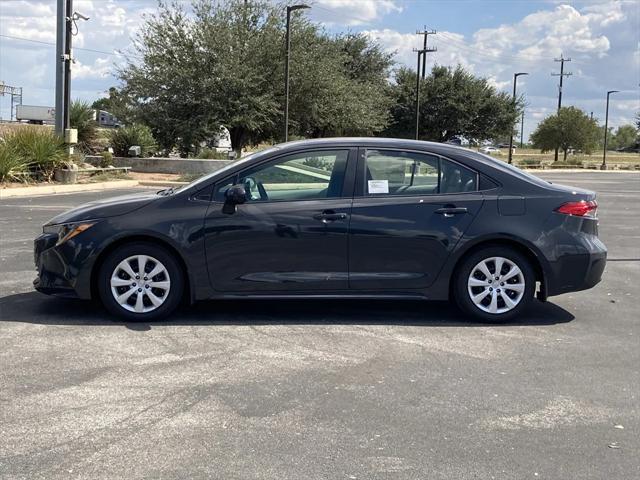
column 489, row 150
column 454, row 141
column 35, row 114
column 630, row 149
column 107, row 120
column 506, row 145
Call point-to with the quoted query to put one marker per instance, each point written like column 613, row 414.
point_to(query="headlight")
column 66, row 231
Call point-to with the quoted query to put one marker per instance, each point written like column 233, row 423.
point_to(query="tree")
column 625, row 136
column 339, row 84
column 117, row 104
column 453, row 102
column 224, row 65
column 569, row 128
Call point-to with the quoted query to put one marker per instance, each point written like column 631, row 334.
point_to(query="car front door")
column 292, row 233
column 410, row 209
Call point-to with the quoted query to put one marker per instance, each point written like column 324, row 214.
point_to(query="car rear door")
column 409, row 211
column 291, row 234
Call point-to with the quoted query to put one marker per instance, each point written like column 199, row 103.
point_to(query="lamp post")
column 606, row 128
column 290, row 8
column 515, row 81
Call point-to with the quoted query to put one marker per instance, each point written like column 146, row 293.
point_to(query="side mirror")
column 235, row 195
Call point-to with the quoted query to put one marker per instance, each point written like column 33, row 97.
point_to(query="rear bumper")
column 574, row 272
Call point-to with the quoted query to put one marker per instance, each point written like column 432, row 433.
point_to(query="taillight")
column 579, row 209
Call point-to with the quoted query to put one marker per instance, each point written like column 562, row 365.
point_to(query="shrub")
column 529, row 162
column 106, row 160
column 81, row 117
column 135, row 134
column 212, row 154
column 12, row 165
column 40, row 149
column 567, row 164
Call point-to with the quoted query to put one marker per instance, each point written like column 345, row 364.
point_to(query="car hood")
column 108, row 207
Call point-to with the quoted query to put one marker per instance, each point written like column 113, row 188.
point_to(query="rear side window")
column 454, row 178
column 409, row 173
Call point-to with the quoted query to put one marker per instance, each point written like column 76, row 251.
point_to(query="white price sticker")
column 378, row 186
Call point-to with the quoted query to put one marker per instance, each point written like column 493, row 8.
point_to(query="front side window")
column 409, row 173
column 301, row 176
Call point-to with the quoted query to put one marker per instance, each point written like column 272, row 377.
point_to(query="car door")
column 291, row 234
column 410, row 209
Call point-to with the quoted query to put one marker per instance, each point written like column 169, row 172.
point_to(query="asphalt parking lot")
column 323, row 390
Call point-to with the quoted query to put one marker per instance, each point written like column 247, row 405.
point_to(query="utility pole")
column 522, row 129
column 290, row 8
column 606, row 131
column 420, row 52
column 14, row 93
column 424, row 48
column 61, row 22
column 515, row 82
column 67, row 63
column 561, row 75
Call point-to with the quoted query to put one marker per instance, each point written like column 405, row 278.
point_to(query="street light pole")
column 290, row 8
column 606, row 128
column 522, row 129
column 515, row 81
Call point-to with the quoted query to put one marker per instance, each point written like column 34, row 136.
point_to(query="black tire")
column 461, row 290
column 169, row 301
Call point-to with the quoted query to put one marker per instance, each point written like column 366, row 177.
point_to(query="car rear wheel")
column 494, row 284
column 140, row 282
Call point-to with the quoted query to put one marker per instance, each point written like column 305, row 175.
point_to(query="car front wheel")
column 494, row 284
column 140, row 282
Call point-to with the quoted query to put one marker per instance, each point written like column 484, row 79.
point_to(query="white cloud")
column 353, row 12
column 101, row 68
column 601, row 39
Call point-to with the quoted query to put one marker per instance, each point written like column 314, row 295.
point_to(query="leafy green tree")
column 116, row 104
column 453, row 102
column 625, row 136
column 569, row 128
column 223, row 64
column 82, row 118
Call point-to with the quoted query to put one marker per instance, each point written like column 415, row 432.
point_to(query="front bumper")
column 61, row 269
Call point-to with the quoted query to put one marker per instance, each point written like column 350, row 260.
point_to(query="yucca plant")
column 81, row 117
column 135, row 134
column 12, row 165
column 41, row 149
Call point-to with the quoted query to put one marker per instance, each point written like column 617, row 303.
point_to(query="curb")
column 55, row 189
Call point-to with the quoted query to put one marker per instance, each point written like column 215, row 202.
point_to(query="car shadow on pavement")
column 39, row 309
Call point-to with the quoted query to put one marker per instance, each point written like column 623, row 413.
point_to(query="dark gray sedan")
column 332, row 218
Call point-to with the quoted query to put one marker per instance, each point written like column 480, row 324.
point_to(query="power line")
column 52, row 44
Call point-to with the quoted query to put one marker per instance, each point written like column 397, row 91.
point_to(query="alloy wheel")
column 140, row 283
column 496, row 285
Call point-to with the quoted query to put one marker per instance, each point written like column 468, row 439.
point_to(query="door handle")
column 330, row 216
column 451, row 211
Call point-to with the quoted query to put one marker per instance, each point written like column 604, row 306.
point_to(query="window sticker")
column 378, row 186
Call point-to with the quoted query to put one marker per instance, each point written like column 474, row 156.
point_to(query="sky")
column 492, row 38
